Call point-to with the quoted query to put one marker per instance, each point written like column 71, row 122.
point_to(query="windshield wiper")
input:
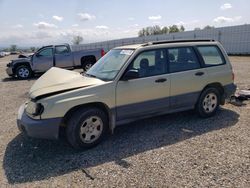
column 89, row 75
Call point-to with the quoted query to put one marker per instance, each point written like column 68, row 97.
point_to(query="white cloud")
column 187, row 22
column 41, row 35
column 75, row 25
column 131, row 19
column 41, row 16
column 158, row 17
column 44, row 25
column 85, row 16
column 101, row 27
column 18, row 26
column 57, row 18
column 222, row 19
column 135, row 25
column 189, row 25
column 226, row 6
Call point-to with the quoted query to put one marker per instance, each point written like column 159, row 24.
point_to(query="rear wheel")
column 208, row 102
column 86, row 127
column 23, row 72
column 87, row 65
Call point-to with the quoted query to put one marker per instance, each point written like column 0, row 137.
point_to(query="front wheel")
column 208, row 102
column 86, row 127
column 23, row 72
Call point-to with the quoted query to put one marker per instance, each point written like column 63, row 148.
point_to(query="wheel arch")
column 217, row 86
column 98, row 105
column 20, row 64
column 88, row 58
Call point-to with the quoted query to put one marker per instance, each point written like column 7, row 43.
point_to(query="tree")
column 173, row 29
column 208, row 27
column 13, row 48
column 164, row 30
column 77, row 39
column 32, row 49
column 182, row 28
column 197, row 29
column 141, row 33
column 156, row 30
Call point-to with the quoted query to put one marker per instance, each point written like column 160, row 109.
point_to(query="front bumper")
column 41, row 128
column 9, row 71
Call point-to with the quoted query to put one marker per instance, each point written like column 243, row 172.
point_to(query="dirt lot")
column 177, row 150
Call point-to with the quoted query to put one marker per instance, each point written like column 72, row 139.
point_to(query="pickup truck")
column 53, row 56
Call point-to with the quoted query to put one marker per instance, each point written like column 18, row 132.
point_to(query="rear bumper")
column 46, row 128
column 229, row 90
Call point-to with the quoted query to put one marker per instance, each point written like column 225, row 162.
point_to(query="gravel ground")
column 177, row 150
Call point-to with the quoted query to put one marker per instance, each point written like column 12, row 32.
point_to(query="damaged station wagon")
column 128, row 83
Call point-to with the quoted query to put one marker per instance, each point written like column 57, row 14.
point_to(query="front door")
column 148, row 94
column 43, row 60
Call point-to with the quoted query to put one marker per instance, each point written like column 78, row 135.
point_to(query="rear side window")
column 62, row 50
column 182, row 59
column 211, row 55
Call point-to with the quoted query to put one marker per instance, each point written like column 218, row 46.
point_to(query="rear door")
column 63, row 56
column 148, row 94
column 43, row 60
column 188, row 78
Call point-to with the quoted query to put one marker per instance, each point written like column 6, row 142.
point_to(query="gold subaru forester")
column 128, row 83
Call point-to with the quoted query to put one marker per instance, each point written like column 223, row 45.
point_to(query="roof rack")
column 177, row 41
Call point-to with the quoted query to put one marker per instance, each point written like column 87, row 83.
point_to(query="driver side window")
column 150, row 63
column 48, row 52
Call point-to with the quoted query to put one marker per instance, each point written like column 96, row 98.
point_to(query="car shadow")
column 28, row 159
column 14, row 79
column 34, row 77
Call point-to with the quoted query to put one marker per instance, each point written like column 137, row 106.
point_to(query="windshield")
column 109, row 65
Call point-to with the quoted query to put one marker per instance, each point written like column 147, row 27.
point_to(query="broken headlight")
column 34, row 108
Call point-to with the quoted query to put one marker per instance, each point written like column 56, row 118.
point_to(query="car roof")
column 169, row 43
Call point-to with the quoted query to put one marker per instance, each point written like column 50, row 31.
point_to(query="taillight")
column 102, row 52
column 233, row 76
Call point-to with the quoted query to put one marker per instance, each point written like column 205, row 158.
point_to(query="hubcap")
column 23, row 72
column 91, row 129
column 88, row 66
column 210, row 102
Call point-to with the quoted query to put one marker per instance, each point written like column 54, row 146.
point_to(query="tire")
column 23, row 72
column 82, row 132
column 208, row 102
column 87, row 65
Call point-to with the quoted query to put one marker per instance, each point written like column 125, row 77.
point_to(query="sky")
column 42, row 22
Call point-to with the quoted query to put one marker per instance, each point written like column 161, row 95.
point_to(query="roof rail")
column 177, row 41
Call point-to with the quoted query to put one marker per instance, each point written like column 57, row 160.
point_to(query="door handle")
column 199, row 73
column 160, row 80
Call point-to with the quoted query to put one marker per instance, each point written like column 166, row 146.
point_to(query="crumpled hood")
column 57, row 79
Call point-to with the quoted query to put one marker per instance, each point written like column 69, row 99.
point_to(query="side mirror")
column 37, row 55
column 131, row 74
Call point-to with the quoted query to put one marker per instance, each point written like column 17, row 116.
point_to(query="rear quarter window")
column 211, row 55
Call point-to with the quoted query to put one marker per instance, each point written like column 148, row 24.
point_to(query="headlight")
column 34, row 109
